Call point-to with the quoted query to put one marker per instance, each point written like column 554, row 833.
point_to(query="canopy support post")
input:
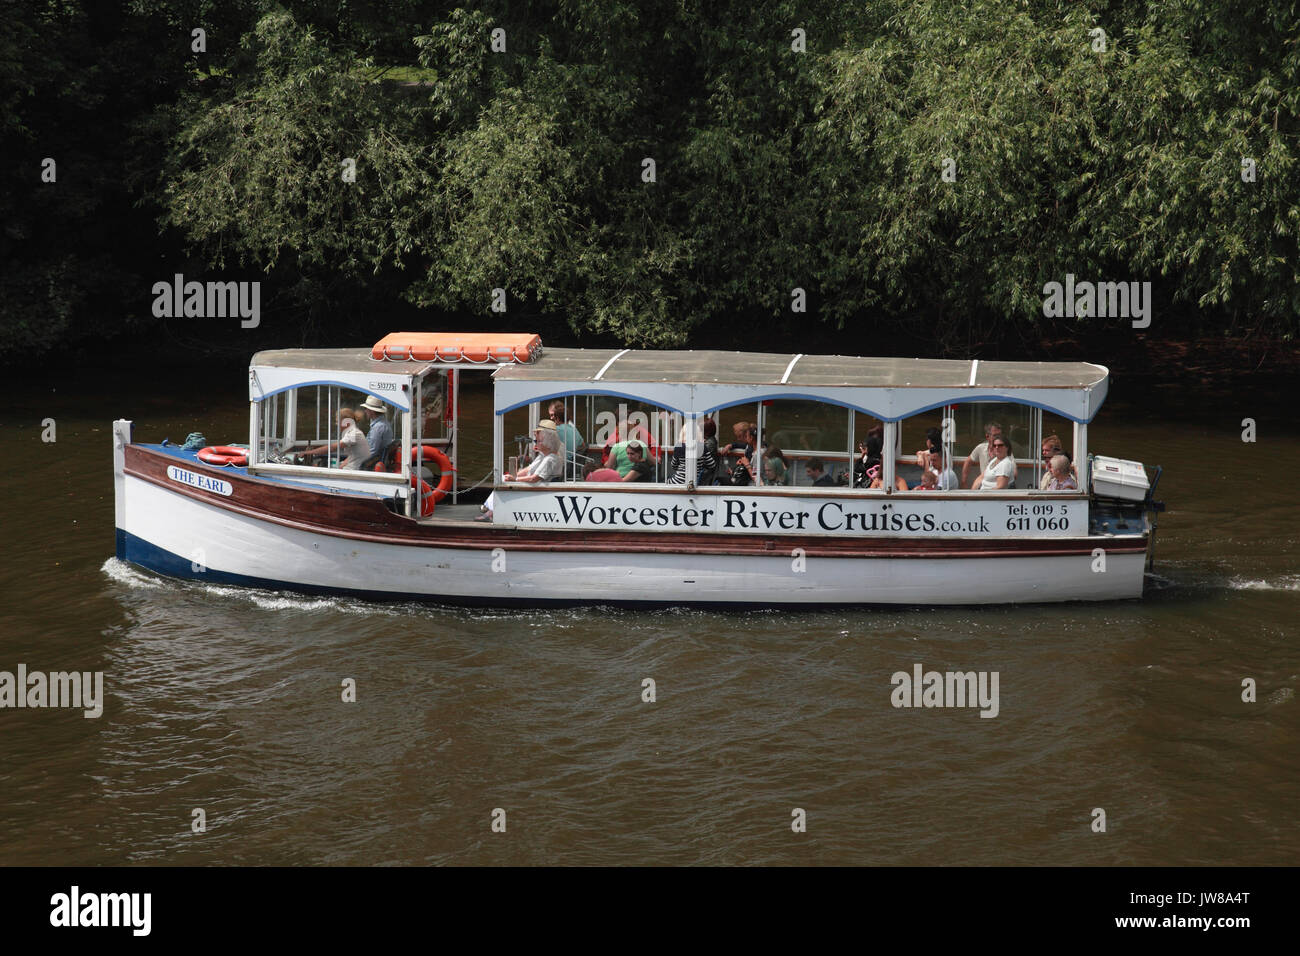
column 254, row 432
column 1081, row 455
column 498, row 447
column 852, row 428
column 889, row 456
column 413, row 499
column 1036, row 433
column 691, row 437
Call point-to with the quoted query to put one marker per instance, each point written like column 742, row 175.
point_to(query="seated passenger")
column 816, row 470
column 352, row 446
column 775, row 467
column 877, row 475
column 739, row 445
column 742, row 472
column 548, row 465
column 933, row 443
column 573, row 441
column 945, row 479
column 706, row 465
column 979, row 456
column 1001, row 472
column 1051, row 448
column 594, row 472
column 709, row 457
column 1061, row 479
column 868, row 457
column 380, row 435
column 640, row 469
column 929, row 480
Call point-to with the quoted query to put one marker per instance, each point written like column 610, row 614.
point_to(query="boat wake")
column 137, row 580
column 1287, row 582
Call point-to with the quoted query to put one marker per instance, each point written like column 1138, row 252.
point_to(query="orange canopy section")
column 473, row 348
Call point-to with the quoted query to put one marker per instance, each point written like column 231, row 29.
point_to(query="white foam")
column 131, row 576
column 283, row 601
column 1287, row 582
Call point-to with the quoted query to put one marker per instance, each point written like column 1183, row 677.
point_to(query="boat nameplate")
column 202, row 482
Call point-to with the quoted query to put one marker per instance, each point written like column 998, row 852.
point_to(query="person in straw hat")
column 548, row 464
column 380, row 434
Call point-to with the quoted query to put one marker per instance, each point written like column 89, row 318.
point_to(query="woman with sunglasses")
column 1001, row 471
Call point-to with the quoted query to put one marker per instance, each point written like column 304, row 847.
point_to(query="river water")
column 229, row 701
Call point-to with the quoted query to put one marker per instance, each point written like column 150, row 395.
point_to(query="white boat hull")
column 177, row 533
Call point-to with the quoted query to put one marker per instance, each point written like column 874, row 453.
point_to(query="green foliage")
column 1122, row 164
column 259, row 175
column 521, row 170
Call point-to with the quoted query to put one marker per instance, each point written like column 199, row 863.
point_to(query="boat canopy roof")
column 696, row 382
column 276, row 371
column 891, row 389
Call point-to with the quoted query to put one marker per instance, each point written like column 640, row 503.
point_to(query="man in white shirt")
column 352, row 447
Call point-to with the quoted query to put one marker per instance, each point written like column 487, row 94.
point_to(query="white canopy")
column 276, row 371
column 891, row 389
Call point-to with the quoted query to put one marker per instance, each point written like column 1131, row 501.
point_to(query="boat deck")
column 447, row 513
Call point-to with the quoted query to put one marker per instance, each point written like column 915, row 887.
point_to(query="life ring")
column 224, row 455
column 426, row 496
column 432, row 453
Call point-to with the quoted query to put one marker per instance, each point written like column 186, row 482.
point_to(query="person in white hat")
column 548, row 463
column 547, row 466
column 380, row 435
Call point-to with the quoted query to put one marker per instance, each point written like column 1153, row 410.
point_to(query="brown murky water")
column 228, row 700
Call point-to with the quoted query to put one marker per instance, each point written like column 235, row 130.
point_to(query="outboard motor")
column 1122, row 502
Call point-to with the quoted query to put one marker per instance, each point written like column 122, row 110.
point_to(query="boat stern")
column 121, row 438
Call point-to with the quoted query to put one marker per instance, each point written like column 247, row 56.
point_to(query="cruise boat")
column 298, row 508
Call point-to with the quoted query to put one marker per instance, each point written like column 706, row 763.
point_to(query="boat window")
column 970, row 422
column 303, row 426
column 919, row 437
column 1055, row 431
column 433, row 426
column 804, row 431
column 592, row 428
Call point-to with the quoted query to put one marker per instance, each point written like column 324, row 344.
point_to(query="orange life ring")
column 426, row 496
column 432, row 453
column 224, row 455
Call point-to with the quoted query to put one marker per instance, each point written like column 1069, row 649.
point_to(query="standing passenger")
column 569, row 434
